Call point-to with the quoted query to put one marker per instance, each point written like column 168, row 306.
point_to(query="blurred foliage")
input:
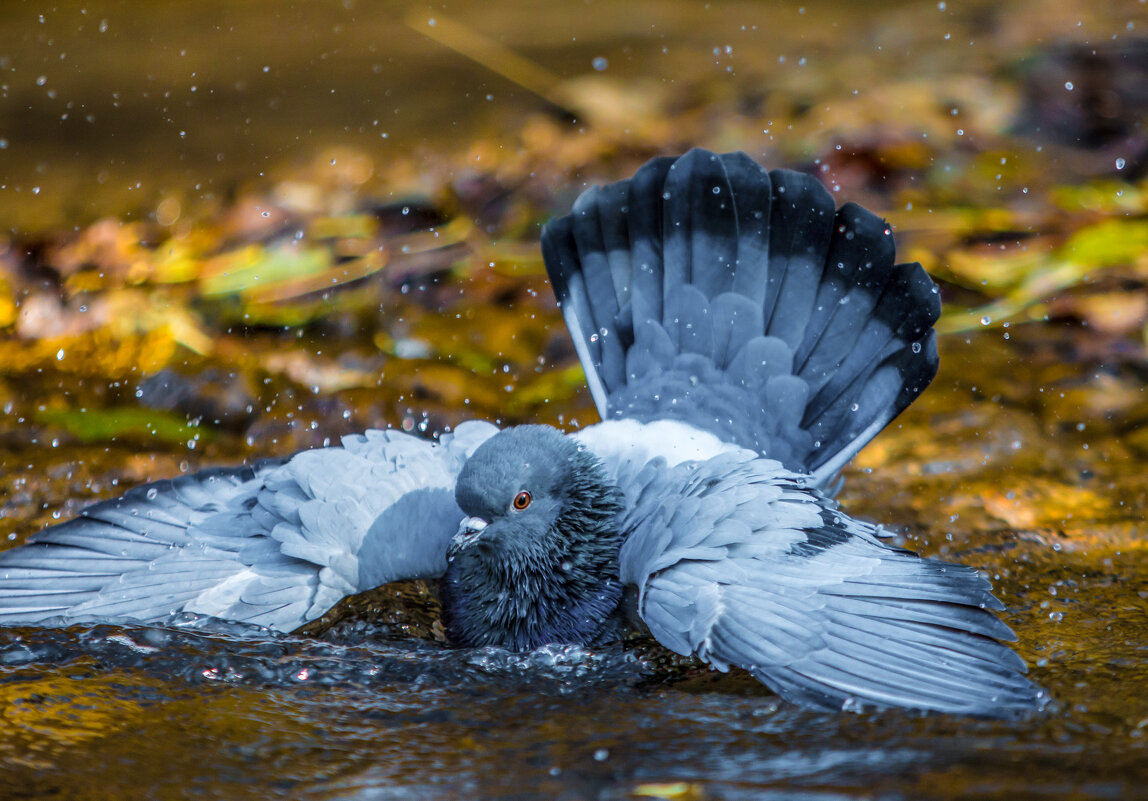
column 97, row 425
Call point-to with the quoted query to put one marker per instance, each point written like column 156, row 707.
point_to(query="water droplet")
column 1120, row 164
column 916, row 347
column 600, row 63
column 152, row 493
column 986, row 320
column 60, row 355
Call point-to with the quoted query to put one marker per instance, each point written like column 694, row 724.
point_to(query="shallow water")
column 383, row 710
column 1025, row 458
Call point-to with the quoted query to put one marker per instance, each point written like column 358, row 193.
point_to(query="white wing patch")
column 631, row 441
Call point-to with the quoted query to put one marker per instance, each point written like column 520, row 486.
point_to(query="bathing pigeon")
column 742, row 339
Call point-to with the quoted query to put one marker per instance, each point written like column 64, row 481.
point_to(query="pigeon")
column 742, row 339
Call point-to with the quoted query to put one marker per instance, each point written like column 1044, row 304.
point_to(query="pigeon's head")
column 535, row 560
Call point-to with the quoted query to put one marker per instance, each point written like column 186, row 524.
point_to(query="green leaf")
column 103, row 425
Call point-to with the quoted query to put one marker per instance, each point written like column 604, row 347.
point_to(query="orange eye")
column 522, row 500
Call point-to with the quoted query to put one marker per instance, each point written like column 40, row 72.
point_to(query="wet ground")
column 166, row 309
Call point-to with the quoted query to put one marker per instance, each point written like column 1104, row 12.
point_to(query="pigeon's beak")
column 469, row 528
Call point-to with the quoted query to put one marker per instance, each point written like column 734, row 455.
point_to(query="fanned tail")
column 709, row 290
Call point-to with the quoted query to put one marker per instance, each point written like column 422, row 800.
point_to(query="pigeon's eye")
column 522, row 500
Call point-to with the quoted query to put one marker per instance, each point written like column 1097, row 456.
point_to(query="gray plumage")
column 742, row 339
column 742, row 296
column 543, row 573
column 277, row 544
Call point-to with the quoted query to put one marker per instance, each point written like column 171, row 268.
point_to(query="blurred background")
column 110, row 108
column 236, row 229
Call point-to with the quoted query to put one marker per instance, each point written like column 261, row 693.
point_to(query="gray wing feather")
column 276, row 544
column 738, row 563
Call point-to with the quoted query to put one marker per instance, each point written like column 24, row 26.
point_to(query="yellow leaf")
column 1113, row 312
column 686, row 791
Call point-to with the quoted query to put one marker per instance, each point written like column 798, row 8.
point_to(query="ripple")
column 203, row 650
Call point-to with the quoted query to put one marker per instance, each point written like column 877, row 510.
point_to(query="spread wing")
column 275, row 544
column 738, row 563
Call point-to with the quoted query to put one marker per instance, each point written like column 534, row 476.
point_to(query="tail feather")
column 904, row 312
column 688, row 321
column 741, row 301
column 700, row 233
column 560, row 251
column 854, row 277
column 753, row 201
column 645, row 203
column 595, row 220
column 736, row 321
column 800, row 229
